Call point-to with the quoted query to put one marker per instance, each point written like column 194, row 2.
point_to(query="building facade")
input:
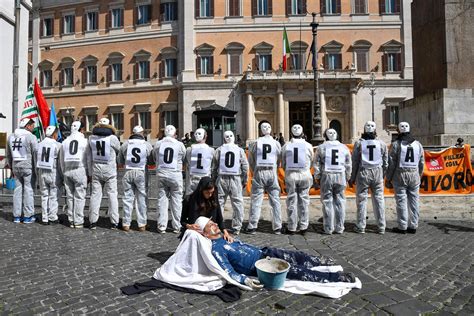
column 159, row 62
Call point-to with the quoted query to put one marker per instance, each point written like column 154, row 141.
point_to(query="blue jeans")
column 300, row 265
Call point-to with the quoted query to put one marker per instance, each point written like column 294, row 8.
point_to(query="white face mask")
column 266, row 129
column 200, row 135
column 170, row 131
column 403, row 127
column 229, row 137
column 331, row 134
column 297, row 130
column 369, row 127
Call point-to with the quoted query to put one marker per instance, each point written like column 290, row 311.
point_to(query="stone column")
column 250, row 114
column 353, row 121
column 322, row 104
column 407, row 40
column 280, row 111
column 186, row 39
column 35, row 48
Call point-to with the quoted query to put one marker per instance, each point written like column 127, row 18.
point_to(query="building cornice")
column 134, row 89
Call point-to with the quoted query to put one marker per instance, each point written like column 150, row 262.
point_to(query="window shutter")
column 108, row 19
column 150, row 13
column 211, row 11
column 161, row 68
column 397, row 6
column 61, row 78
column 122, row 21
column 211, row 65
column 73, row 23
column 254, row 7
column 257, row 63
column 384, row 63
column 61, row 26
column 109, row 73
column 304, row 7
column 198, row 65
column 386, row 117
column 148, row 70
column 135, row 15
column 84, row 76
column 288, row 7
column 382, row 6
column 42, row 28
column 96, row 20
column 196, row 9
column 270, row 7
column 399, row 62
column 237, row 8
column 325, row 61
column 84, row 22
column 175, row 68
column 72, row 76
column 136, row 70
column 339, row 61
column 338, row 6
column 162, row 12
column 270, row 63
column 42, row 79
column 322, row 4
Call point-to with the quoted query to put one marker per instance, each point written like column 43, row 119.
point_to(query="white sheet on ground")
column 193, row 266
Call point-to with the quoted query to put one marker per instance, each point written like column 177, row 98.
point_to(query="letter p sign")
column 266, row 149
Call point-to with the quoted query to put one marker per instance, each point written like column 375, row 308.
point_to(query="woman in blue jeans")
column 238, row 259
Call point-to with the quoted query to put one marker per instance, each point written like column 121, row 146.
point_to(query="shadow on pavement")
column 450, row 227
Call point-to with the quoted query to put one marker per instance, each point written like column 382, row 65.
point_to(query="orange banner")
column 446, row 172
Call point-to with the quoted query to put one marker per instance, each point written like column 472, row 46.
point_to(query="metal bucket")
column 272, row 272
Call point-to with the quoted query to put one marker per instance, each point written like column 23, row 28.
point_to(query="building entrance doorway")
column 300, row 113
column 337, row 126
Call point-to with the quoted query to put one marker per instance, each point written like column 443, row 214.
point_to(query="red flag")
column 42, row 105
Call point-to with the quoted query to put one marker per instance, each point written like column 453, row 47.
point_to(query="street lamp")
column 316, row 108
column 372, row 93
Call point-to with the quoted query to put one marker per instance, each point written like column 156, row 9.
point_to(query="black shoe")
column 114, row 226
column 286, row 231
column 303, row 231
column 348, row 277
column 54, row 222
column 277, row 231
column 45, row 223
column 251, row 231
column 92, row 226
column 411, row 230
column 399, row 231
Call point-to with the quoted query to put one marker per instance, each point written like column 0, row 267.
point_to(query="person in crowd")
column 135, row 153
column 169, row 156
column 203, row 202
column 73, row 162
column 230, row 169
column 332, row 168
column 296, row 160
column 20, row 158
column 47, row 155
column 281, row 139
column 369, row 164
column 405, row 166
column 198, row 161
column 264, row 157
column 238, row 259
column 103, row 149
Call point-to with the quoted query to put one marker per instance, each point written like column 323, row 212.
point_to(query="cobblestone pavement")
column 59, row 270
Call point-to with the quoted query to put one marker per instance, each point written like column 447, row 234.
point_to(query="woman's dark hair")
column 205, row 205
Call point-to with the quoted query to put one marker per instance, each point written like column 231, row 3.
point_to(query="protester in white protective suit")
column 169, row 155
column 405, row 166
column 47, row 154
column 19, row 154
column 198, row 161
column 103, row 149
column 230, row 168
column 296, row 160
column 369, row 164
column 73, row 161
column 135, row 153
column 264, row 160
column 332, row 167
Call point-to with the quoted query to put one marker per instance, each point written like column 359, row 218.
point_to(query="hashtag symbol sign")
column 17, row 144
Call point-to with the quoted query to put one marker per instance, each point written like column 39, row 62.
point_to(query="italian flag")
column 36, row 108
column 286, row 48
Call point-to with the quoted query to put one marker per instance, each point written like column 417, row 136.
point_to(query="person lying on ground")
column 238, row 259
